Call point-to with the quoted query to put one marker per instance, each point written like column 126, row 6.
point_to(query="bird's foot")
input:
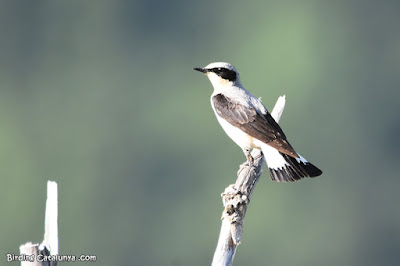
column 250, row 158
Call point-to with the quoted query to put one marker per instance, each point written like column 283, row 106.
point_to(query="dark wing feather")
column 260, row 126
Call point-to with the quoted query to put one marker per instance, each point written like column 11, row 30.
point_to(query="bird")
column 249, row 124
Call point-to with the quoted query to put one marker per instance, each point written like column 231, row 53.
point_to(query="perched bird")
column 249, row 124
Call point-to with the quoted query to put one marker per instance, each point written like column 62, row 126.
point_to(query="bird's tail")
column 283, row 168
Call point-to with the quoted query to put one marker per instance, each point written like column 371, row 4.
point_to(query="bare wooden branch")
column 236, row 199
column 51, row 219
column 32, row 254
column 29, row 252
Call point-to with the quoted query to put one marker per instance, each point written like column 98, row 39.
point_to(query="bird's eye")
column 225, row 73
column 217, row 70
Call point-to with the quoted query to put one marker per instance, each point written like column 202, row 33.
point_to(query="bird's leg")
column 250, row 158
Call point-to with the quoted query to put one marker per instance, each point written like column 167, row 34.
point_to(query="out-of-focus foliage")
column 100, row 96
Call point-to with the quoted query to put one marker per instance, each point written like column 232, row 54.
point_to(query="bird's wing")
column 260, row 126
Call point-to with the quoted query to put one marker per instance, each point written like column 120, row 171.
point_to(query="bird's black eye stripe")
column 224, row 73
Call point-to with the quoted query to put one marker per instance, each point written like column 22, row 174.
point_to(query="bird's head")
column 220, row 74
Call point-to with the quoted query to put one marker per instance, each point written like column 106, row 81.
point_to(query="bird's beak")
column 200, row 69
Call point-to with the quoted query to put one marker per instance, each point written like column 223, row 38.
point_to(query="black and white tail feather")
column 284, row 168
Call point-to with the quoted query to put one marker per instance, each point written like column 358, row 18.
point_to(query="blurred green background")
column 100, row 96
